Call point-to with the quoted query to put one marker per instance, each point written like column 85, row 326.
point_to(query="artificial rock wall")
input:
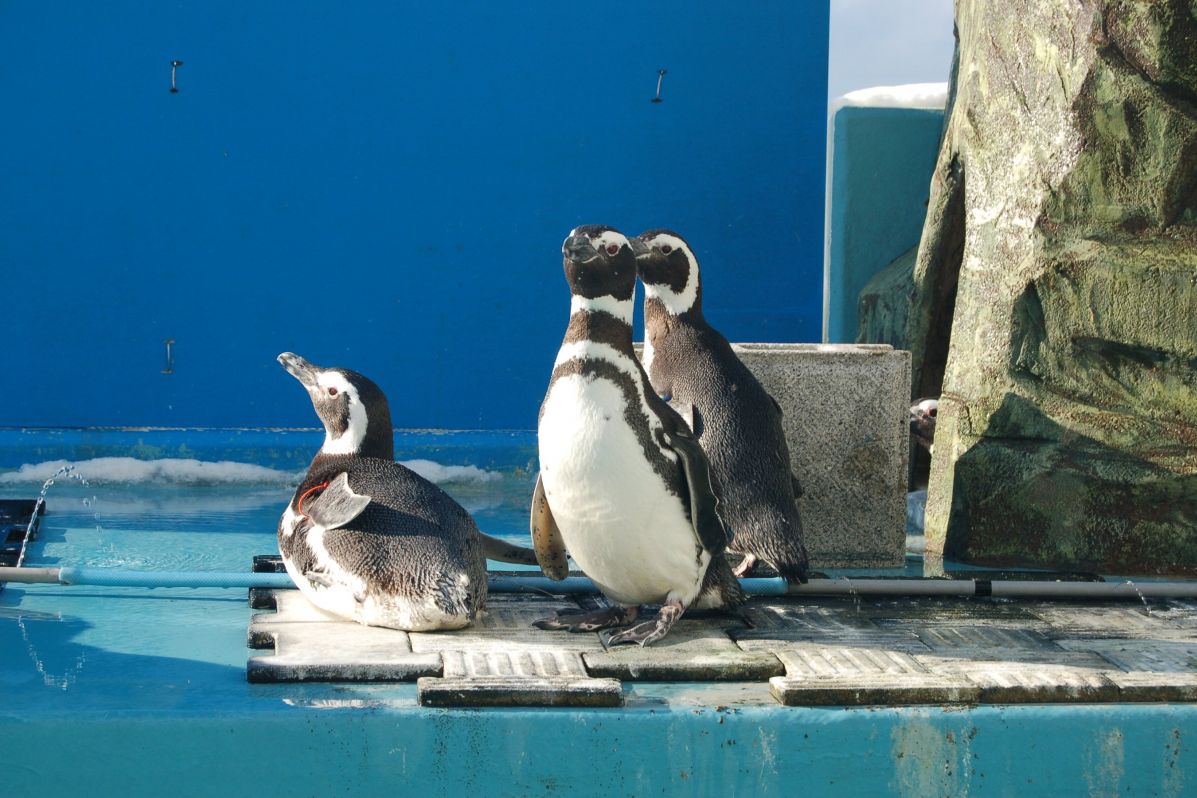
column 1055, row 289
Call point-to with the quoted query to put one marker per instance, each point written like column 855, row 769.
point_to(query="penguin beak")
column 299, row 368
column 639, row 248
column 578, row 249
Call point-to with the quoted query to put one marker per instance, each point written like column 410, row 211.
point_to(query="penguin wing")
column 691, row 416
column 337, row 505
column 703, row 513
column 501, row 550
column 546, row 537
column 797, row 486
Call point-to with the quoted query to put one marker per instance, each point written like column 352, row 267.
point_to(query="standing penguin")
column 623, row 487
column 737, row 422
column 366, row 538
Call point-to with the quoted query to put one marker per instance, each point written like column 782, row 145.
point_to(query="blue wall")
column 383, row 186
column 882, row 162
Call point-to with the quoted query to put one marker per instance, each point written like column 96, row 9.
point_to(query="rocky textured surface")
column 845, row 417
column 1059, row 259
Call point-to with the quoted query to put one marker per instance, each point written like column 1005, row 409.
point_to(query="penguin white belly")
column 340, row 592
column 619, row 521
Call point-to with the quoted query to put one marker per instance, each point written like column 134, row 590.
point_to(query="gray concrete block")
column 846, row 412
column 336, row 651
column 846, row 409
column 505, row 691
column 694, row 650
column 522, row 676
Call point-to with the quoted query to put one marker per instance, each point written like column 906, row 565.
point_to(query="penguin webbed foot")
column 744, row 566
column 649, row 632
column 592, row 621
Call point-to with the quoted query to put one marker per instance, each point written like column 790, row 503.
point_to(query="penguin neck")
column 659, row 321
column 676, row 300
column 604, row 320
column 376, row 439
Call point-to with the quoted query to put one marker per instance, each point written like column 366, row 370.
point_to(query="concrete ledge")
column 846, row 409
column 846, row 412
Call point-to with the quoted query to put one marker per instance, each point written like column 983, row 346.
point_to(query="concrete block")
column 694, row 650
column 846, row 409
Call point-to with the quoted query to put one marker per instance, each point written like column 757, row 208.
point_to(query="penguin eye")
column 332, row 391
column 612, row 249
column 666, row 249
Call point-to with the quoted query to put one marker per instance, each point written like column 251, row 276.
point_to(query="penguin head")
column 922, row 422
column 669, row 271
column 354, row 411
column 599, row 262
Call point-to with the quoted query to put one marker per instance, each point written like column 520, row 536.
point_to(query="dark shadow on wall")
column 1066, row 501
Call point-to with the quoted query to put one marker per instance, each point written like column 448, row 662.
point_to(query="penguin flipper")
column 689, row 414
column 703, row 514
column 797, row 486
column 337, row 505
column 546, row 537
column 501, row 550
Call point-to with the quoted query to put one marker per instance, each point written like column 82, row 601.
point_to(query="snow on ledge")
column 910, row 95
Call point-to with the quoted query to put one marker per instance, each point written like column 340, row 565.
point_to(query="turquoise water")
column 192, row 507
column 143, row 692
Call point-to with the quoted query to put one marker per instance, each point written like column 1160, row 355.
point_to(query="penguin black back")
column 739, row 425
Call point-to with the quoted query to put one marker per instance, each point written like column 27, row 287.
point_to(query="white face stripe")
column 349, row 441
column 619, row 308
column 609, row 237
column 603, row 239
column 675, row 303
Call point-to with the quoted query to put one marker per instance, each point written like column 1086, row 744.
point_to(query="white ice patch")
column 909, row 95
column 619, row 308
column 435, row 472
column 675, row 303
column 170, row 471
column 199, row 473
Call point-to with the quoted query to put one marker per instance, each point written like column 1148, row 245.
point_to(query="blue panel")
column 882, row 161
column 383, row 186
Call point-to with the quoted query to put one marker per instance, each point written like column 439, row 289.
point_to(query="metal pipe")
column 517, row 582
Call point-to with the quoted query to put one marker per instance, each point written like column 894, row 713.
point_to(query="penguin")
column 623, row 487
column 364, row 537
column 922, row 423
column 737, row 422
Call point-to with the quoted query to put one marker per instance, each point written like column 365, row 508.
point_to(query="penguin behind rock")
column 922, row 423
column 737, row 422
column 366, row 538
column 623, row 486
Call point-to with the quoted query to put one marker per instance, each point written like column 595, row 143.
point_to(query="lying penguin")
column 624, row 487
column 737, row 422
column 368, row 539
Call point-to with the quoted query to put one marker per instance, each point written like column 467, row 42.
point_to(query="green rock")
column 1055, row 289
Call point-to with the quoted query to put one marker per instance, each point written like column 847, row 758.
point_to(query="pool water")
column 143, row 691
column 73, row 647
